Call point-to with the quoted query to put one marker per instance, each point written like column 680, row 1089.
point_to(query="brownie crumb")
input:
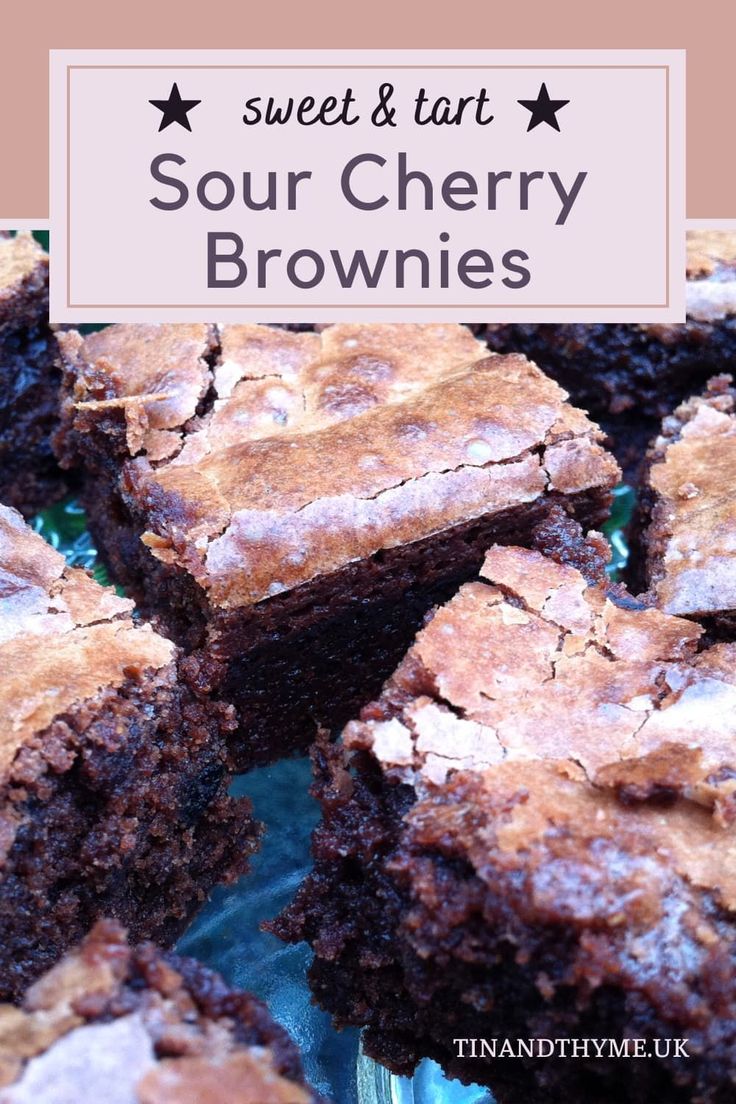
column 561, row 537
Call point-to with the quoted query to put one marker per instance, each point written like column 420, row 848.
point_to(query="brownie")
column 29, row 378
column 630, row 375
column 290, row 505
column 689, row 508
column 113, row 788
column 531, row 834
column 135, row 1025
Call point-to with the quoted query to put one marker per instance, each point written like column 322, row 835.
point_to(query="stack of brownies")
column 384, row 534
column 290, row 505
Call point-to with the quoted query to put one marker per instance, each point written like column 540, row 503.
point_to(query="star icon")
column 175, row 109
column 543, row 109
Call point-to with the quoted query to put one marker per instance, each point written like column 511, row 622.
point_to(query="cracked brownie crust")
column 113, row 787
column 689, row 510
column 134, row 1025
column 295, row 507
column 629, row 376
column 534, row 824
column 29, row 379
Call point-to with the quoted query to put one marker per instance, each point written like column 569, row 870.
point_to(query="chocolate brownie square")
column 629, row 376
column 113, row 788
column 135, row 1025
column 689, row 510
column 29, row 378
column 531, row 834
column 290, row 505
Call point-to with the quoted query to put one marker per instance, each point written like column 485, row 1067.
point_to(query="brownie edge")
column 530, row 834
column 113, row 778
column 134, row 1025
column 687, row 523
column 30, row 478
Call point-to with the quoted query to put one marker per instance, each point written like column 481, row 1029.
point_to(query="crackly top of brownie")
column 24, row 276
column 532, row 665
column 63, row 637
column 692, row 534
column 711, row 274
column 256, row 381
column 155, row 376
column 135, row 1026
column 315, row 449
column 640, row 894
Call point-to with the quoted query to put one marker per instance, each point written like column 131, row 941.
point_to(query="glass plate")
column 226, row 936
column 428, row 1086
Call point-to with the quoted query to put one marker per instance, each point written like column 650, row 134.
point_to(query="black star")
column 174, row 110
column 543, row 109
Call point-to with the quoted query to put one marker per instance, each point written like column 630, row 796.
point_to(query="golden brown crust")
column 63, row 638
column 20, row 257
column 321, row 449
column 692, row 536
column 156, row 374
column 24, row 269
column 244, row 1077
column 532, row 672
column 545, row 819
column 708, row 251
